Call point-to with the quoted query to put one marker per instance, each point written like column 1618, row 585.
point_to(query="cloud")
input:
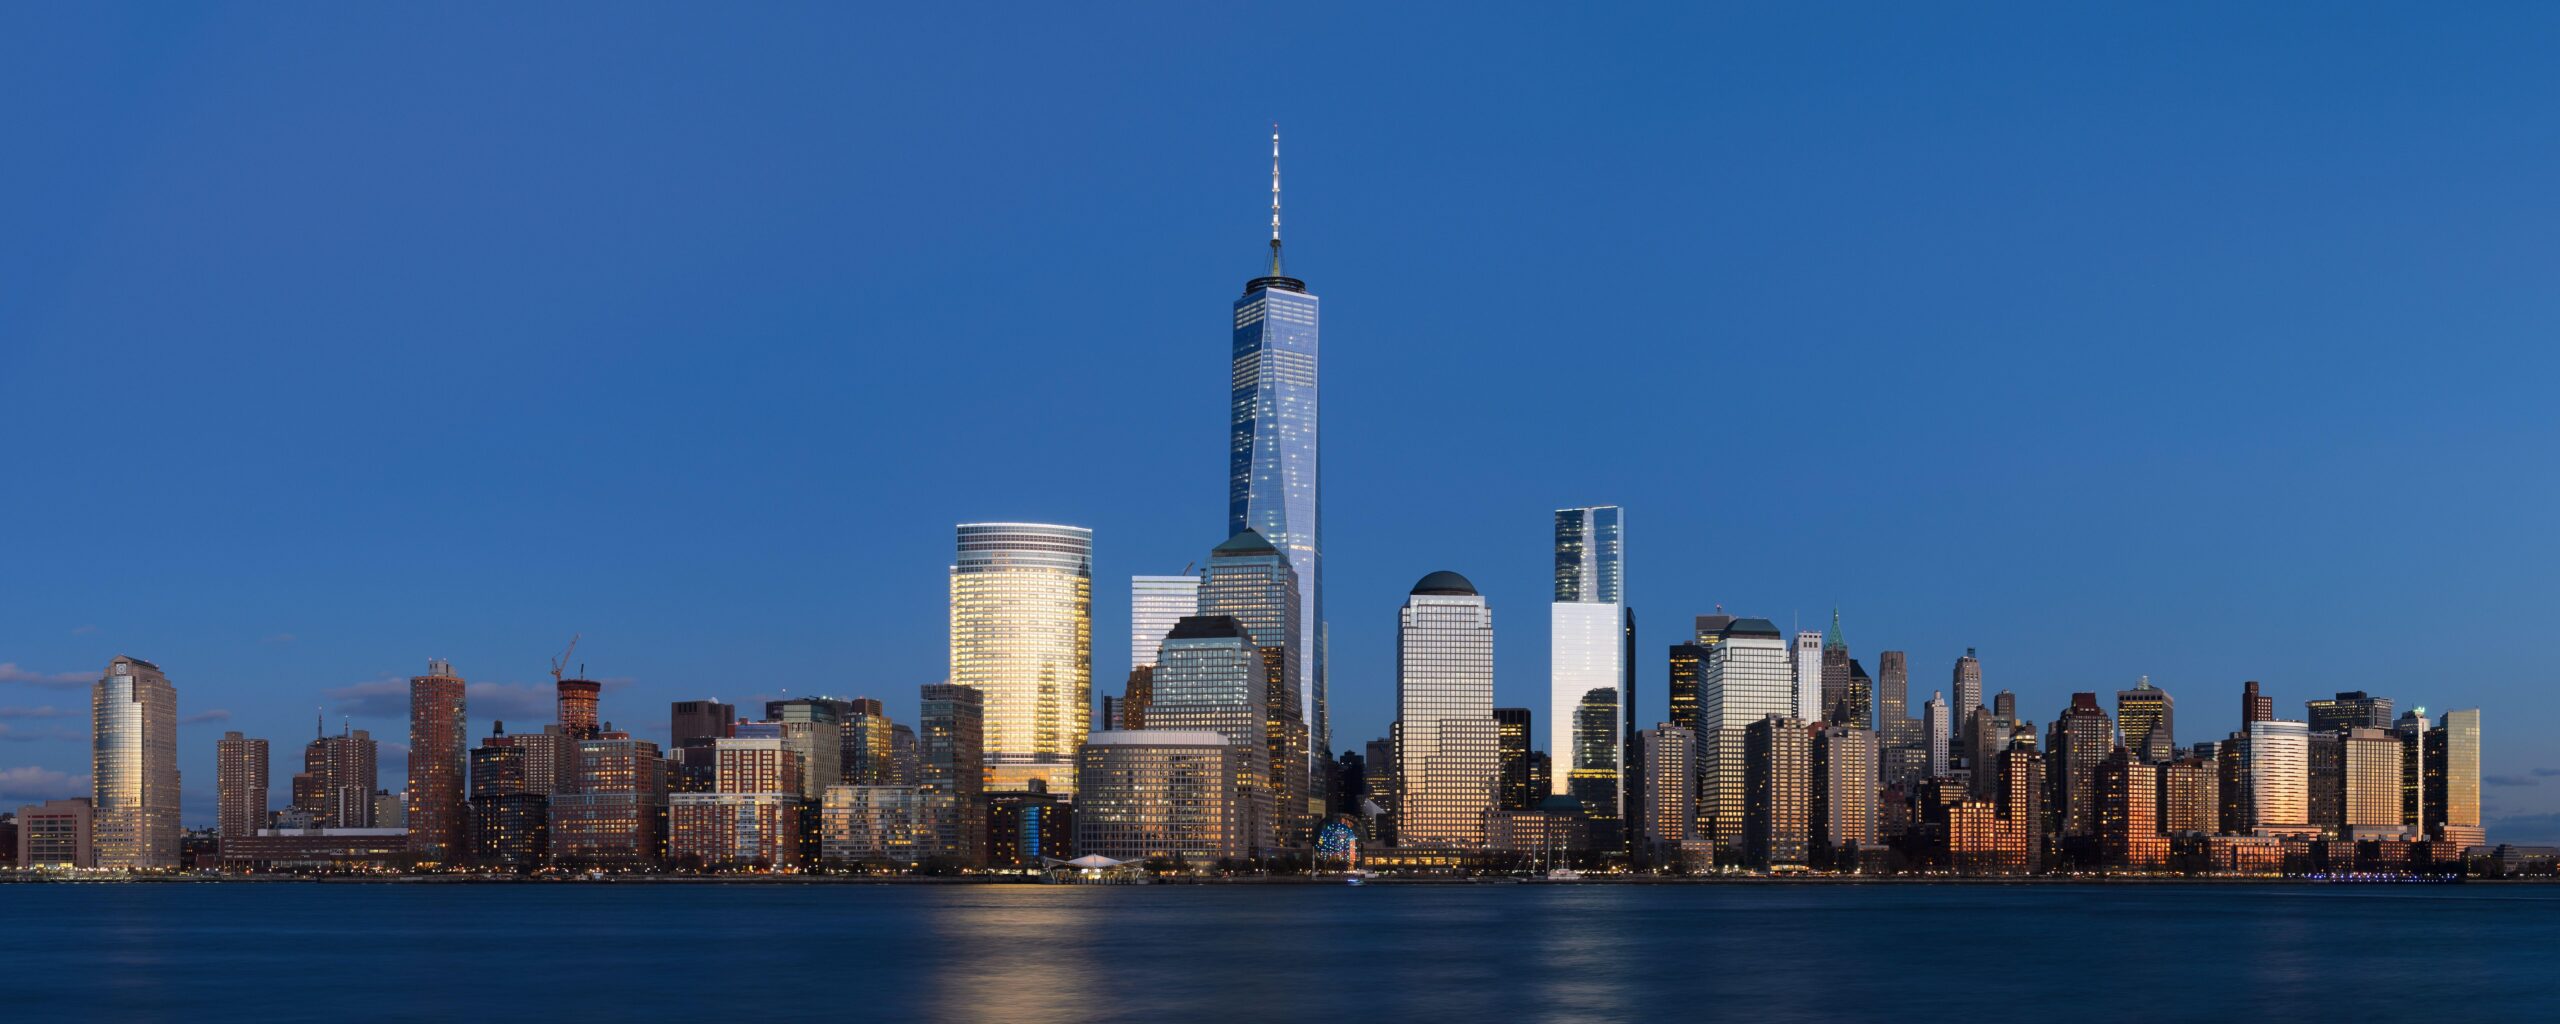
column 47, row 711
column 11, row 673
column 380, row 698
column 2507, row 780
column 30, row 784
column 2539, row 829
column 20, row 734
column 207, row 715
column 2546, row 772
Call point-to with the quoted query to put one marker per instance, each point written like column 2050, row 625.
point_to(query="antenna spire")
column 1275, row 199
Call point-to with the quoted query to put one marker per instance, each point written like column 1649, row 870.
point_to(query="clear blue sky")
column 2201, row 342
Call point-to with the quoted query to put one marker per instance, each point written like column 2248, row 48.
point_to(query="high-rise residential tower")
column 2255, row 706
column 1968, row 688
column 1022, row 636
column 950, row 745
column 339, row 776
column 1447, row 755
column 240, row 785
column 438, row 752
column 1804, row 660
column 2082, row 740
column 133, row 767
column 1937, row 730
column 1587, row 648
column 2147, row 715
column 1272, row 449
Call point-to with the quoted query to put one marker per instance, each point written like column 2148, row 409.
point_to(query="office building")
column 2452, row 781
column 2147, row 716
column 1805, row 668
column 2128, row 812
column 2279, row 761
column 1587, row 642
column 1936, row 728
column 2191, row 795
column 950, row 720
column 1448, row 758
column 338, row 779
column 1967, row 683
column 438, row 756
column 878, row 826
column 2371, row 784
column 1155, row 604
column 2255, row 707
column 1273, row 450
column 2353, row 709
column 1894, row 724
column 1777, row 813
column 1593, row 777
column 1511, row 732
column 1168, row 793
column 2325, row 792
column 692, row 725
column 1251, row 582
column 240, row 785
column 57, row 834
column 1022, row 636
column 1026, row 826
column 722, row 830
column 1211, row 677
column 510, row 820
column 1688, row 668
column 133, row 767
column 2082, row 739
column 1749, row 677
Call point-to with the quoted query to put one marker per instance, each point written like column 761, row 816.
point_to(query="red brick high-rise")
column 437, row 754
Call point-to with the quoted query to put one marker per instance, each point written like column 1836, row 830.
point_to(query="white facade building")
column 1448, row 763
column 1587, row 647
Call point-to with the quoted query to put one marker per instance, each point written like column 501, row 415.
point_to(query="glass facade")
column 1155, row 604
column 1159, row 793
column 134, row 767
column 1212, row 678
column 1587, row 642
column 1022, row 636
column 1251, row 582
column 1272, row 454
column 1749, row 676
column 2148, row 717
column 2279, row 774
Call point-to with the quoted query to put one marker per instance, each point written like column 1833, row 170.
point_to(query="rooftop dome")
column 1445, row 582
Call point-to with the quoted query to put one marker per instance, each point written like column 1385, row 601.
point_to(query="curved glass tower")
column 1022, row 636
column 1271, row 454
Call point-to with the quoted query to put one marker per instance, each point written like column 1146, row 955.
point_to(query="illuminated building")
column 2452, row 781
column 744, row 764
column 1251, row 582
column 1895, row 727
column 1166, row 793
column 2147, row 715
column 1804, row 664
column 438, row 824
column 1777, row 810
column 57, row 834
column 1688, row 665
column 2082, row 739
column 1587, row 650
column 1594, row 776
column 1671, row 777
column 1211, row 676
column 133, row 767
column 891, row 825
column 1447, row 758
column 691, row 727
column 2371, row 784
column 1552, row 830
column 1511, row 738
column 1967, row 683
column 2021, row 798
column 2191, row 795
column 2279, row 768
column 1844, row 788
column 240, row 785
column 1022, row 636
column 1748, row 678
column 949, row 744
column 1155, row 604
column 339, row 776
column 906, row 761
column 2325, row 786
column 734, row 829
column 2255, row 707
column 1937, row 728
column 1024, row 826
column 2350, row 710
column 510, row 821
column 577, row 699
column 617, row 815
column 2128, row 812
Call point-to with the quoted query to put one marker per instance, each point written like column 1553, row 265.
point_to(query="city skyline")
column 336, row 591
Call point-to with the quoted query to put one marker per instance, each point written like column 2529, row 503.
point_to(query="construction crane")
column 560, row 665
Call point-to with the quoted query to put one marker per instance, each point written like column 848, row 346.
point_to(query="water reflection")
column 1011, row 953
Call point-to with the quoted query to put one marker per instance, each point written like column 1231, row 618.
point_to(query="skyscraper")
column 510, row 817
column 133, row 767
column 1587, row 649
column 1211, row 677
column 2279, row 775
column 577, row 699
column 1844, row 788
column 2083, row 739
column 339, row 776
column 240, row 785
column 1778, row 791
column 438, row 752
column 1670, row 768
column 1273, row 448
column 1593, row 777
column 2147, row 715
column 1022, row 636
column 617, row 814
column 1835, row 674
column 1748, row 678
column 2452, row 782
column 1805, row 665
column 1937, row 730
column 1447, row 756
column 950, row 744
column 1253, row 583
column 2129, row 812
column 1155, row 604
column 1688, row 666
column 1968, row 689
column 2350, row 710
column 1511, row 739
column 2255, row 706
column 1893, row 698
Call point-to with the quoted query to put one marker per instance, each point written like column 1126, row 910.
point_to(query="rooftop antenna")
column 1275, row 198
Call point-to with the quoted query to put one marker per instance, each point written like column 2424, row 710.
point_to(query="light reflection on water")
column 1270, row 952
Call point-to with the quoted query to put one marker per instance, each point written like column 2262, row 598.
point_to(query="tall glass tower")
column 1587, row 642
column 133, row 766
column 1271, row 450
